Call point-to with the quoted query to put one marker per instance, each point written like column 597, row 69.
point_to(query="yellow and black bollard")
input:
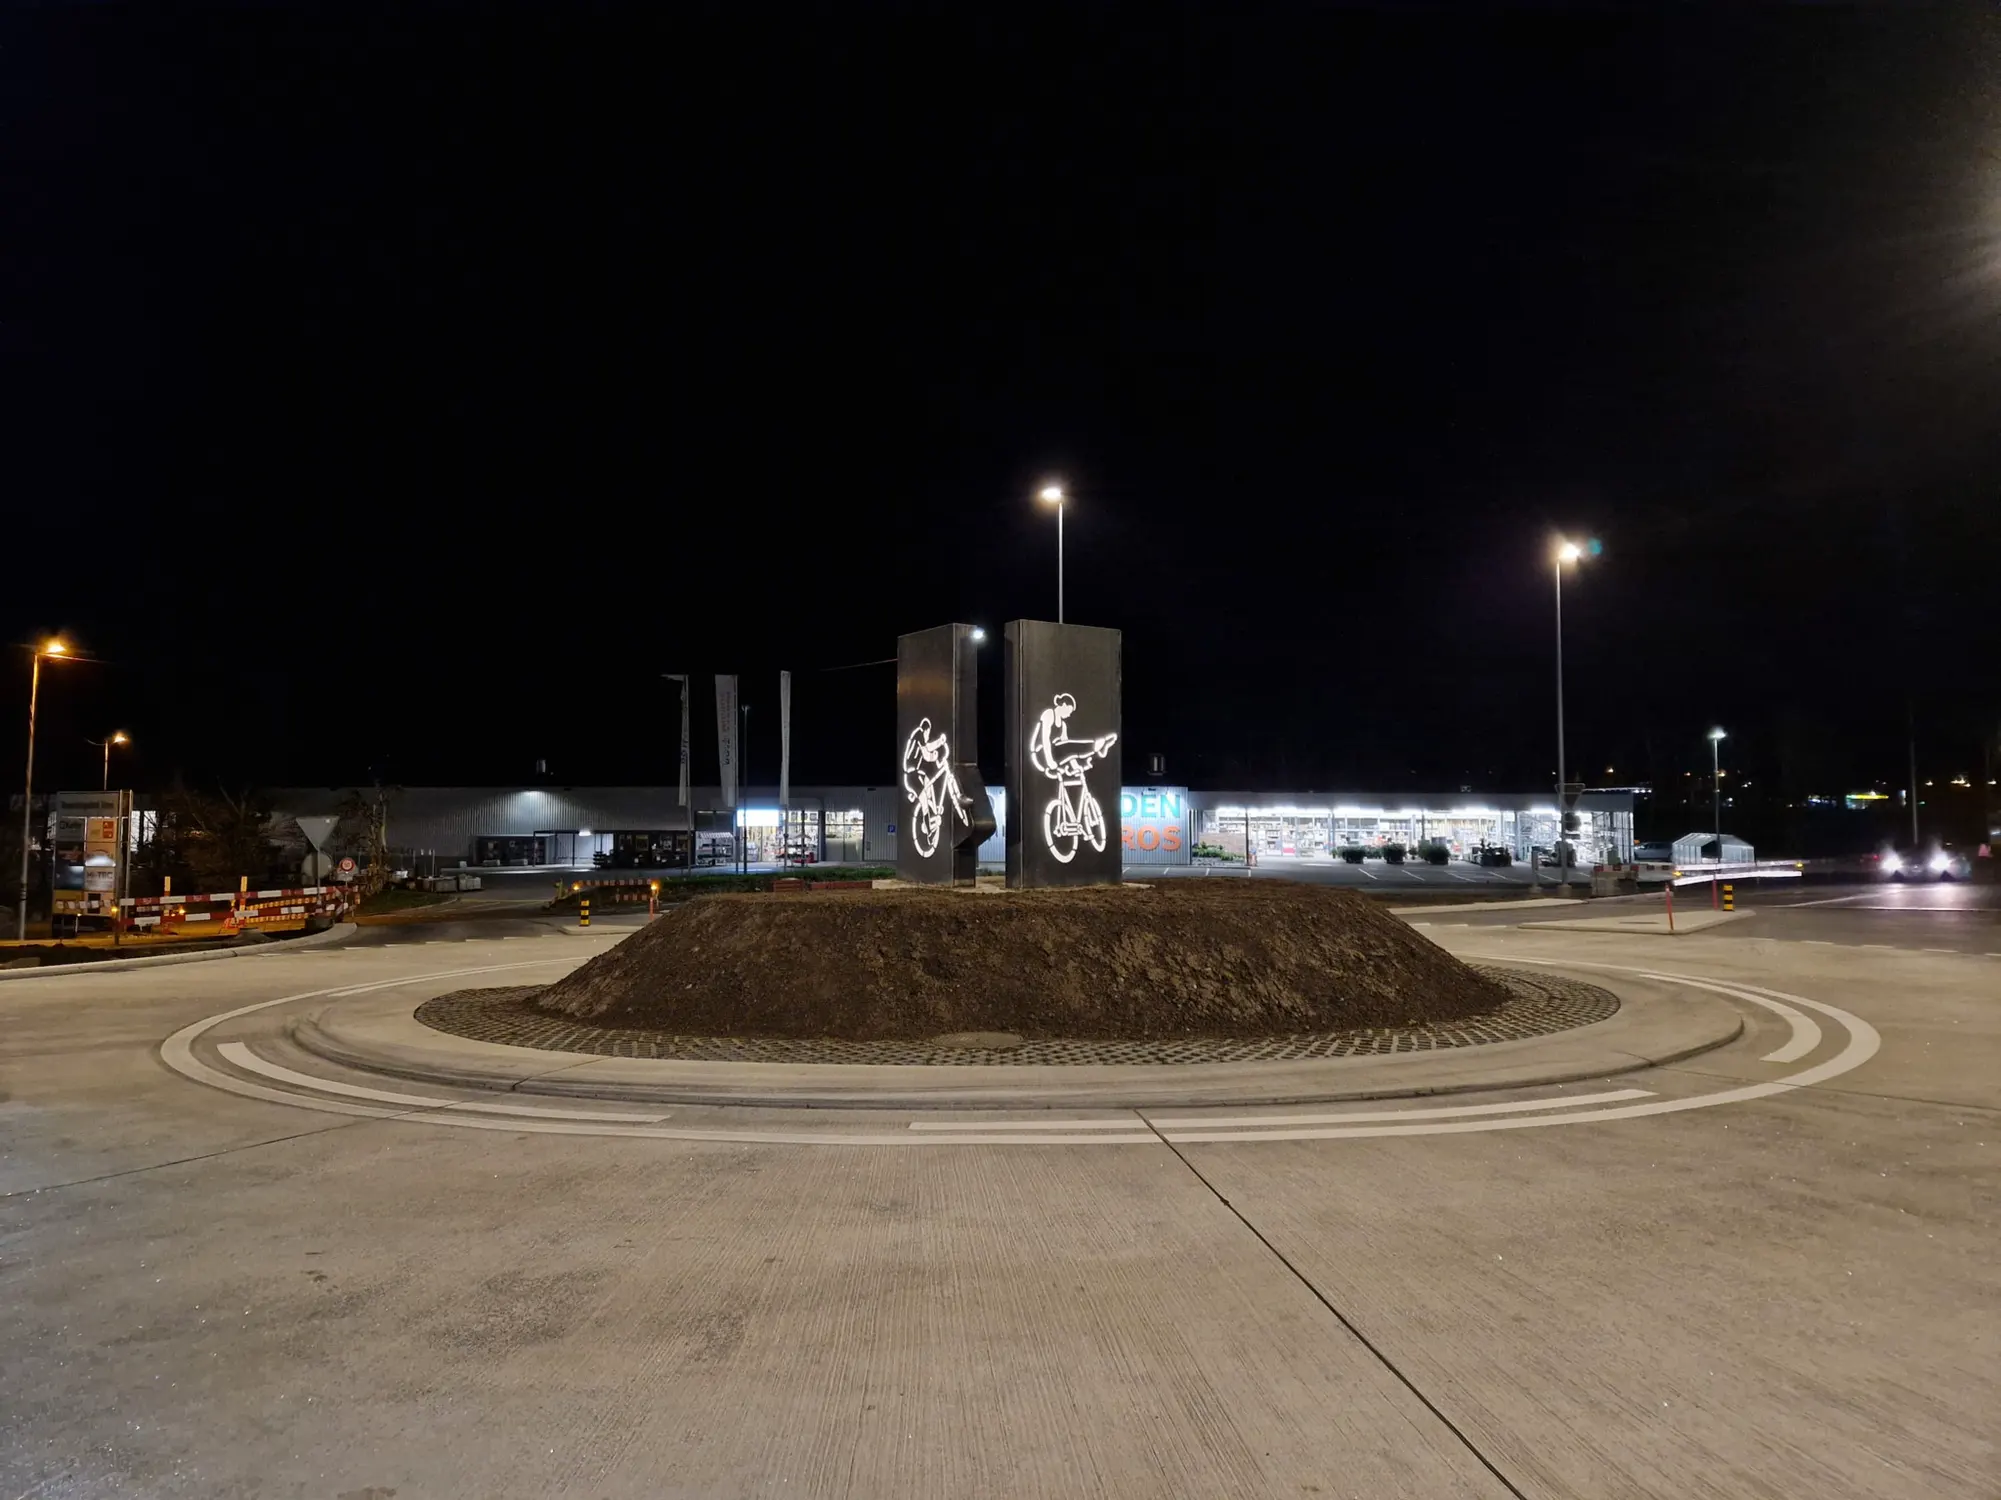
column 584, row 908
column 1729, row 898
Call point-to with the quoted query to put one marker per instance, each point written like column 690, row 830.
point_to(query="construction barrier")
column 232, row 911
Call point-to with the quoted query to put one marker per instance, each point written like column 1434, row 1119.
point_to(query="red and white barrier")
column 233, row 910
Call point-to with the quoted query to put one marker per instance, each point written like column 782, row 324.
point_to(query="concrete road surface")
column 1737, row 1285
column 1934, row 918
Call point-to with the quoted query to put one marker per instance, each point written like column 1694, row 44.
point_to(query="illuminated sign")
column 1074, row 813
column 1154, row 823
column 937, row 728
column 930, row 787
column 1064, row 756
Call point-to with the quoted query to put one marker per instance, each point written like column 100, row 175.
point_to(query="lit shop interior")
column 767, row 835
column 1306, row 830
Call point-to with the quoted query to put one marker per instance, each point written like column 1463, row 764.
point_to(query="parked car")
column 1493, row 856
column 1933, row 862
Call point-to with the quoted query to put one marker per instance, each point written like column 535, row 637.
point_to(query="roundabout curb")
column 1655, row 1025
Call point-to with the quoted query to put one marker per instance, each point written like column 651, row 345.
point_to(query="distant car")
column 1490, row 855
column 1936, row 862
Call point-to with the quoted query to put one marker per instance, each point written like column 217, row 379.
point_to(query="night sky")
column 400, row 391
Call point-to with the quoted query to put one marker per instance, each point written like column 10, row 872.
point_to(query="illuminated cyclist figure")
column 1073, row 815
column 929, row 784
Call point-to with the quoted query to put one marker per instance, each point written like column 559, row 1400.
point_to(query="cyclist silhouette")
column 1073, row 814
column 928, row 758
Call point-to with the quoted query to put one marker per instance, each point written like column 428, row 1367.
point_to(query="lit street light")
column 49, row 648
column 1566, row 552
column 120, row 738
column 1053, row 494
column 1716, row 739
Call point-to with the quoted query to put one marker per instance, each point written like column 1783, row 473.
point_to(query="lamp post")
column 1053, row 495
column 50, row 648
column 1716, row 738
column 1566, row 552
column 120, row 738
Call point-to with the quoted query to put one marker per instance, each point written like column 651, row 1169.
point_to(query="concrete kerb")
column 1657, row 1024
column 118, row 965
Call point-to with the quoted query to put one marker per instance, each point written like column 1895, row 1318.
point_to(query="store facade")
column 1319, row 825
column 642, row 827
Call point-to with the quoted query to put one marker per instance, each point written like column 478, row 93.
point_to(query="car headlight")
column 1892, row 863
column 1940, row 863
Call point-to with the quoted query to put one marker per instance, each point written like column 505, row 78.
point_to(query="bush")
column 1393, row 854
column 1354, row 854
column 1434, row 853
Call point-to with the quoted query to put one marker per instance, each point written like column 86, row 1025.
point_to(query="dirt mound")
column 1231, row 958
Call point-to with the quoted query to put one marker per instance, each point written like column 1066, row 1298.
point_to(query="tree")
column 363, row 832
column 211, row 840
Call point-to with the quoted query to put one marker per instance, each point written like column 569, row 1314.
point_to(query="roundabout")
column 263, row 1225
column 305, row 1066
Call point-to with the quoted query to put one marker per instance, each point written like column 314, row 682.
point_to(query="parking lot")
column 1372, row 873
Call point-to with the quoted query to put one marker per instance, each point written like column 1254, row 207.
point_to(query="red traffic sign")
column 346, row 866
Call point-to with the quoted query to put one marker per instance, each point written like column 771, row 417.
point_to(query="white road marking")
column 1806, row 1031
column 961, row 1126
column 243, row 1057
column 1440, row 1112
column 1863, row 1044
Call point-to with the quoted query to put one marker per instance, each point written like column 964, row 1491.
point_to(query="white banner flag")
column 682, row 678
column 726, row 734
column 784, row 739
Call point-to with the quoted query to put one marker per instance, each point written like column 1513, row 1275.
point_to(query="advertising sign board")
column 1155, row 820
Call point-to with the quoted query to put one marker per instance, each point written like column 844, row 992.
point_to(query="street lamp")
column 1566, row 552
column 120, row 738
column 1053, row 495
column 54, row 647
column 1716, row 739
column 978, row 633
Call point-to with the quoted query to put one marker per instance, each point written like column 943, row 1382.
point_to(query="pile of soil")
column 1184, row 958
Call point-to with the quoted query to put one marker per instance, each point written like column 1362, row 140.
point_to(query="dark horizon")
column 401, row 396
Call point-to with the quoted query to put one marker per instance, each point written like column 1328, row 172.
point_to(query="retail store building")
column 649, row 827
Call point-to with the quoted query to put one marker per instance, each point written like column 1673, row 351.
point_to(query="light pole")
column 120, row 738
column 1053, row 494
column 1566, row 552
column 1716, row 738
column 49, row 648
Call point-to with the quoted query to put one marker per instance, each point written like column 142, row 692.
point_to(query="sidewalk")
column 378, row 1034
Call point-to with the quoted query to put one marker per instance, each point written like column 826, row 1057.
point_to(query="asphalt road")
column 1948, row 918
column 1744, row 1287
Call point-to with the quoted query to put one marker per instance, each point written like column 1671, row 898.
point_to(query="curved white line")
column 242, row 1057
column 1863, row 1044
column 1806, row 1031
column 1440, row 1112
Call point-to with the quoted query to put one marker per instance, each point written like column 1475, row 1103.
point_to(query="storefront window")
column 844, row 835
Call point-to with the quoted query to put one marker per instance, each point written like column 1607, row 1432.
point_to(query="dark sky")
column 402, row 390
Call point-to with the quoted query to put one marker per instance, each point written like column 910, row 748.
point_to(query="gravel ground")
column 1208, row 958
